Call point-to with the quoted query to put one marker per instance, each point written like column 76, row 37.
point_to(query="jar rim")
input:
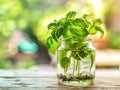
column 77, row 40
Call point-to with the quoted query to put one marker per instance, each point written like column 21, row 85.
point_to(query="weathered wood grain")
column 45, row 79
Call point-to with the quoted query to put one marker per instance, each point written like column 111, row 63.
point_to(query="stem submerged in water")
column 78, row 68
column 73, row 67
column 65, row 71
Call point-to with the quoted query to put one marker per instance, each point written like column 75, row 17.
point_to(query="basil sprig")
column 73, row 29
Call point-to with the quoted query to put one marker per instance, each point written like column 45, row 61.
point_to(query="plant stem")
column 70, row 55
column 78, row 68
column 74, row 67
column 65, row 70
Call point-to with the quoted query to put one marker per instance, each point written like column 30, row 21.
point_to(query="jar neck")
column 74, row 44
column 71, row 41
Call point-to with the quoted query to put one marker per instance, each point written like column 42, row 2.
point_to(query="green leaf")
column 83, row 53
column 100, row 31
column 53, row 34
column 92, row 56
column 49, row 42
column 81, row 46
column 65, row 62
column 70, row 15
column 52, row 26
column 92, row 31
column 61, row 54
column 78, row 31
column 80, row 22
column 67, row 34
column 76, row 55
column 86, row 17
column 59, row 31
column 97, row 22
column 74, row 31
column 52, row 45
column 61, row 21
column 84, row 33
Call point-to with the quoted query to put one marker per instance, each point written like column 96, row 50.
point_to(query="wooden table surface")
column 44, row 77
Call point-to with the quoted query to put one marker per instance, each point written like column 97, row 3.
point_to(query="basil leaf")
column 86, row 17
column 80, row 46
column 49, row 42
column 61, row 54
column 75, row 31
column 97, row 22
column 52, row 26
column 83, row 53
column 52, row 45
column 76, row 55
column 54, row 36
column 100, row 31
column 65, row 62
column 92, row 31
column 61, row 21
column 70, row 15
column 81, row 33
column 59, row 31
column 80, row 22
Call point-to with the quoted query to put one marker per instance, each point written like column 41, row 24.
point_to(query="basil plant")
column 71, row 38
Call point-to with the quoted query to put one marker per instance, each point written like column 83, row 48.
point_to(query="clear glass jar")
column 76, row 63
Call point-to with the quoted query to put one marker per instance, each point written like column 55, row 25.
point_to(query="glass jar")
column 76, row 63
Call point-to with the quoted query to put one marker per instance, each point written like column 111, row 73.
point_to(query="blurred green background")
column 28, row 20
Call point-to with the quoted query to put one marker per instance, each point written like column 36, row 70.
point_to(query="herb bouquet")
column 71, row 38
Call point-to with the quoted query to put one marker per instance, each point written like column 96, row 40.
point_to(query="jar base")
column 81, row 83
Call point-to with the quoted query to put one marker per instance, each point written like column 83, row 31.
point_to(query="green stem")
column 78, row 68
column 70, row 55
column 77, row 65
column 73, row 67
column 91, row 27
column 65, row 70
